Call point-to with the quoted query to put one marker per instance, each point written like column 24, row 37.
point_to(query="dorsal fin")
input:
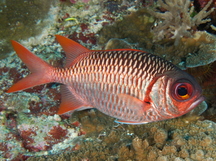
column 71, row 48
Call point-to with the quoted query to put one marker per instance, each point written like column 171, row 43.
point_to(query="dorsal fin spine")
column 71, row 48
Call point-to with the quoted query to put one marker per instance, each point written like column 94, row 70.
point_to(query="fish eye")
column 183, row 91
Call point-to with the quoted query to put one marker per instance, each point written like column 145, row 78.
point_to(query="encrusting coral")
column 178, row 21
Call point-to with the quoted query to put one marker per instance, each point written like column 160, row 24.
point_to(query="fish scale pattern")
column 101, row 76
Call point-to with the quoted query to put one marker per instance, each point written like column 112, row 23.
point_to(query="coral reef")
column 199, row 5
column 193, row 50
column 30, row 130
column 175, row 139
column 177, row 20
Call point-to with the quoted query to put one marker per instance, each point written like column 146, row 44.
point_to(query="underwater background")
column 181, row 31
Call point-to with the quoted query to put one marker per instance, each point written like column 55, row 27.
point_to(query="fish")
column 133, row 86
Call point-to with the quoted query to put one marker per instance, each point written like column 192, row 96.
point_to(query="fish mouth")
column 196, row 103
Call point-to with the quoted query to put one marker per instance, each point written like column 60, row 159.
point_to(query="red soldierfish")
column 131, row 85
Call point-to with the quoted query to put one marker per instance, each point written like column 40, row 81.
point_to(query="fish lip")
column 196, row 103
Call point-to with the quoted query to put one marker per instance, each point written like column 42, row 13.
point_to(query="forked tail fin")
column 41, row 71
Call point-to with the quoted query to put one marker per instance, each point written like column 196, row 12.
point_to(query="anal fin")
column 129, row 122
column 70, row 101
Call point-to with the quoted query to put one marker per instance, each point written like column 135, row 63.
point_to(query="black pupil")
column 182, row 91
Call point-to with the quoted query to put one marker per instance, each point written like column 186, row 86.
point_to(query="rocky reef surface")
column 30, row 128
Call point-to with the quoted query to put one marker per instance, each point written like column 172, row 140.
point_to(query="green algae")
column 21, row 19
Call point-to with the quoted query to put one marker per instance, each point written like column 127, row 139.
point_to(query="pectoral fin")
column 134, row 103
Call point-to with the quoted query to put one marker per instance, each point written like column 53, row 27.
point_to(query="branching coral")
column 178, row 20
